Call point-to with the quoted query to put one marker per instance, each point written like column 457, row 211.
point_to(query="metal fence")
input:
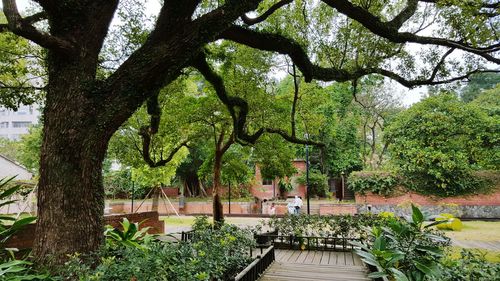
column 292, row 242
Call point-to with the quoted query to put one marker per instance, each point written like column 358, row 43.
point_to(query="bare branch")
column 251, row 21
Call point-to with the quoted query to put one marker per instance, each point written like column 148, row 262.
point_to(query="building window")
column 4, row 124
column 21, row 124
column 266, row 181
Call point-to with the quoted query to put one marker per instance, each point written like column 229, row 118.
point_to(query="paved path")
column 293, row 265
column 488, row 245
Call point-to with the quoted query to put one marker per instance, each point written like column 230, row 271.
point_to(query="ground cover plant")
column 130, row 254
column 345, row 226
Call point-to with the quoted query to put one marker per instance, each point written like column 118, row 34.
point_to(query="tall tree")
column 84, row 109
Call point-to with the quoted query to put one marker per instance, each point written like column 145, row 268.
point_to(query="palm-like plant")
column 130, row 236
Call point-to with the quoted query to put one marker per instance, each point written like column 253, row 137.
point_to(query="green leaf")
column 417, row 215
column 428, row 269
column 398, row 275
column 377, row 275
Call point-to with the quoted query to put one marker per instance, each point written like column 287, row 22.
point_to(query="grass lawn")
column 491, row 256
column 477, row 230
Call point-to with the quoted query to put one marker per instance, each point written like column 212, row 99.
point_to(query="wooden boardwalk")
column 291, row 265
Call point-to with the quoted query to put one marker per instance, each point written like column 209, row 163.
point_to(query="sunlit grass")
column 477, row 230
column 491, row 256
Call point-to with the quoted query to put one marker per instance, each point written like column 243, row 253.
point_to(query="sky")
column 407, row 96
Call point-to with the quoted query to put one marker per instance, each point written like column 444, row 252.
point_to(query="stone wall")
column 473, row 206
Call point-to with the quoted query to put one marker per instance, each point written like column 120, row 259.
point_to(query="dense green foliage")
column 212, row 254
column 318, row 183
column 345, row 226
column 468, row 266
column 404, row 250
column 378, row 182
column 439, row 141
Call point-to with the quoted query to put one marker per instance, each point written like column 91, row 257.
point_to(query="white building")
column 13, row 124
column 9, row 168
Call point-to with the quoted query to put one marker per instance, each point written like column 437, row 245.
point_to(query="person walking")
column 297, row 203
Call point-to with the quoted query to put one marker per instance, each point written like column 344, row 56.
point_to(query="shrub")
column 404, row 249
column 378, row 182
column 318, row 183
column 324, row 226
column 468, row 267
column 212, row 254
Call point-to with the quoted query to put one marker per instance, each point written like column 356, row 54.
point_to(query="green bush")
column 468, row 267
column 318, row 183
column 324, row 226
column 439, row 142
column 378, row 182
column 212, row 254
column 404, row 249
column 385, row 183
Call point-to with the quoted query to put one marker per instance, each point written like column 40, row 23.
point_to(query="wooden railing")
column 253, row 271
column 307, row 242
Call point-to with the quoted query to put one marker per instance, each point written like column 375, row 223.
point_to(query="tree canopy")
column 87, row 99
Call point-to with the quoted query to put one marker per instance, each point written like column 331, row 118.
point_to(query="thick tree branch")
column 24, row 28
column 251, row 21
column 238, row 108
column 283, row 45
column 489, row 5
column 389, row 30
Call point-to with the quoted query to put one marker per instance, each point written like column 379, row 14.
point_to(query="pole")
column 229, row 197
column 132, row 197
column 307, row 180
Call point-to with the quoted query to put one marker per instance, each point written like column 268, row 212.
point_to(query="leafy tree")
column 478, row 83
column 84, row 108
column 438, row 141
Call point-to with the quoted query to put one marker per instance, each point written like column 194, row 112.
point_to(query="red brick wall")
column 148, row 219
column 266, row 191
column 347, row 209
column 171, row 191
column 484, row 200
column 189, row 208
column 24, row 238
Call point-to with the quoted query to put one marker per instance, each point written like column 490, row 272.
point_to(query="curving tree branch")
column 23, row 27
column 238, row 108
column 251, row 21
column 389, row 30
column 286, row 46
column 146, row 133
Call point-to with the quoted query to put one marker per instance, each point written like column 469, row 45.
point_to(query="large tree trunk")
column 70, row 191
column 217, row 204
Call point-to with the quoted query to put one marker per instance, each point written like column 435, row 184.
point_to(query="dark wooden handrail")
column 253, row 271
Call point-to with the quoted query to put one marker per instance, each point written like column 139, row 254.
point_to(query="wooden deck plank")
column 317, row 257
column 357, row 260
column 293, row 257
